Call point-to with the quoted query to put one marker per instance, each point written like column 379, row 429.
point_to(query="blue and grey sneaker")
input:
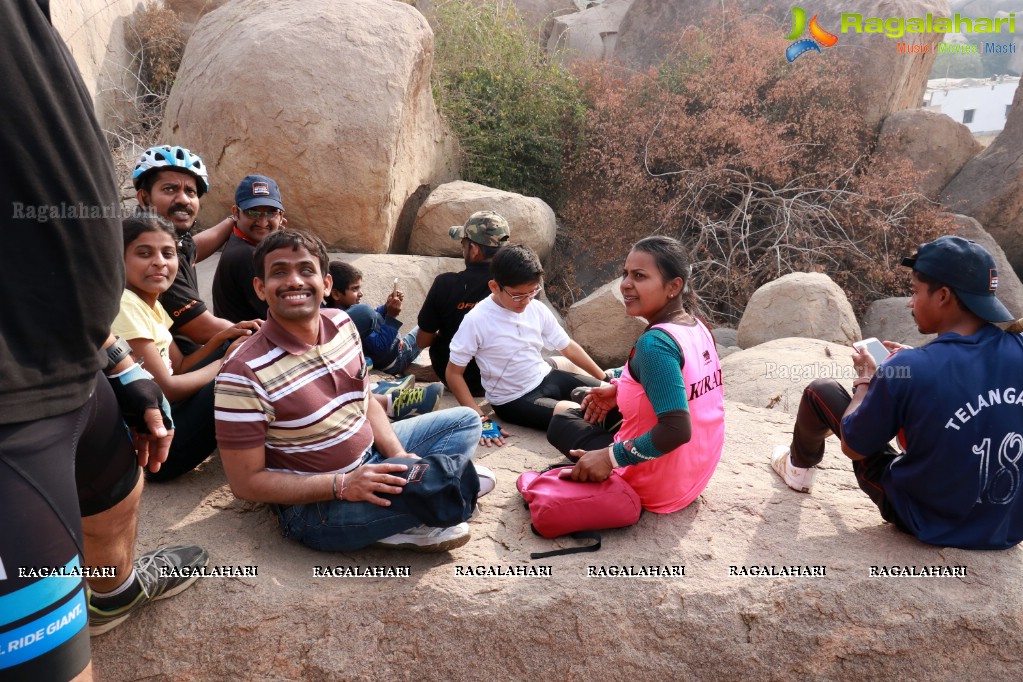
column 161, row 573
column 395, row 387
column 416, row 401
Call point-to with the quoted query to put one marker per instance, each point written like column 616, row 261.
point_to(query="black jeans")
column 536, row 408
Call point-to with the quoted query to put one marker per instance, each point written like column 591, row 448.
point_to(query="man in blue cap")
column 956, row 406
column 257, row 212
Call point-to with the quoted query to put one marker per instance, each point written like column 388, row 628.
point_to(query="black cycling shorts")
column 46, row 467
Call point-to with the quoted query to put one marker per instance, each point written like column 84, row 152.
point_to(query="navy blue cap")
column 257, row 190
column 968, row 269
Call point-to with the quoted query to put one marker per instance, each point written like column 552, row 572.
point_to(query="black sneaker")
column 182, row 565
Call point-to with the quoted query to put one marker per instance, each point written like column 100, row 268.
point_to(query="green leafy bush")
column 512, row 108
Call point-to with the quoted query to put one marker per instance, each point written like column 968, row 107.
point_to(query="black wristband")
column 116, row 352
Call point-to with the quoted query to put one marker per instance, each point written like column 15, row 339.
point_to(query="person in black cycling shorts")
column 70, row 479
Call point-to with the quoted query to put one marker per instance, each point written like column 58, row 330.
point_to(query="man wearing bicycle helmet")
column 170, row 181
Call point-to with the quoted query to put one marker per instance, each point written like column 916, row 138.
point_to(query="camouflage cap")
column 483, row 227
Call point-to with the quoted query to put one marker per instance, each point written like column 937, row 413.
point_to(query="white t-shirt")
column 507, row 347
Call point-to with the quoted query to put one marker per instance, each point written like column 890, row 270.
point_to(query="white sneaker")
column 797, row 478
column 488, row 479
column 427, row 538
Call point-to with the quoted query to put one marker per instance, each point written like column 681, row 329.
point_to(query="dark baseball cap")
column 257, row 190
column 968, row 269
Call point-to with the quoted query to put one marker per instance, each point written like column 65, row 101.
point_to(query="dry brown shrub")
column 154, row 36
column 759, row 166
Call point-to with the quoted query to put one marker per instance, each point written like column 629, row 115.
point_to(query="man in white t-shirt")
column 505, row 333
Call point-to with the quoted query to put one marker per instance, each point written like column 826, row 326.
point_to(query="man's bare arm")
column 425, row 339
column 209, row 240
column 249, row 480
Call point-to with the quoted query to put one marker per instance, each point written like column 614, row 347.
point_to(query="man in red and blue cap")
column 955, row 405
column 257, row 212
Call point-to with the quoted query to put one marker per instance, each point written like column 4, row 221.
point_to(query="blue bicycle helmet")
column 165, row 156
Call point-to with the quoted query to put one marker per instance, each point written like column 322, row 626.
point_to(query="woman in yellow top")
column 150, row 265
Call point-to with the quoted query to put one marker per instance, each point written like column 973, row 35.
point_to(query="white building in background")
column 981, row 104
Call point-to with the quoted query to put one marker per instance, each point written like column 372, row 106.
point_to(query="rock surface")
column 94, row 33
column 190, row 11
column 889, row 319
column 531, row 220
column 286, row 624
column 725, row 336
column 937, row 146
column 331, row 98
column 807, row 304
column 599, row 324
column 589, row 35
column 773, row 375
column 990, row 187
column 886, row 81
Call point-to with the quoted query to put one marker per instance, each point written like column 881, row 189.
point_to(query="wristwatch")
column 116, row 352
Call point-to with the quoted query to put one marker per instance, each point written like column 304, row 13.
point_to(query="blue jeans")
column 406, row 350
column 338, row 526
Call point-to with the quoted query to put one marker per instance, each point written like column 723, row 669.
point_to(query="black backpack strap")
column 579, row 535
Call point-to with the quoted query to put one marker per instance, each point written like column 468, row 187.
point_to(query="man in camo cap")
column 453, row 294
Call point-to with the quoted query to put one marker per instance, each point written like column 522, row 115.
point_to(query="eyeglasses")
column 519, row 298
column 256, row 214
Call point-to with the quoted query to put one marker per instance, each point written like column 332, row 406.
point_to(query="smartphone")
column 394, row 287
column 874, row 347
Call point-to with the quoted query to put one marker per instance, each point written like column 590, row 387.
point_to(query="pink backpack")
column 561, row 506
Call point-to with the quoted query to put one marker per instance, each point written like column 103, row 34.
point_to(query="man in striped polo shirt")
column 297, row 429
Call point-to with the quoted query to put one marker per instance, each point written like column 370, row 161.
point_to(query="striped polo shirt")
column 307, row 404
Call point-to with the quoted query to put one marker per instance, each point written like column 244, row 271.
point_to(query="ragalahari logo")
column 818, row 36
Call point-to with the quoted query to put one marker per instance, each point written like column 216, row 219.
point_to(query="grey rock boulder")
column 531, row 220
column 599, row 324
column 807, row 304
column 936, row 146
column 990, row 187
column 331, row 98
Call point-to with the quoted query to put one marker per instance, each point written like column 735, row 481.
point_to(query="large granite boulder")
column 190, row 11
column 725, row 336
column 331, row 98
column 444, row 622
column 599, row 324
column 589, row 35
column 935, row 145
column 94, row 33
column 1010, row 289
column 890, row 319
column 990, row 187
column 806, row 304
column 531, row 220
column 885, row 80
column 773, row 375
